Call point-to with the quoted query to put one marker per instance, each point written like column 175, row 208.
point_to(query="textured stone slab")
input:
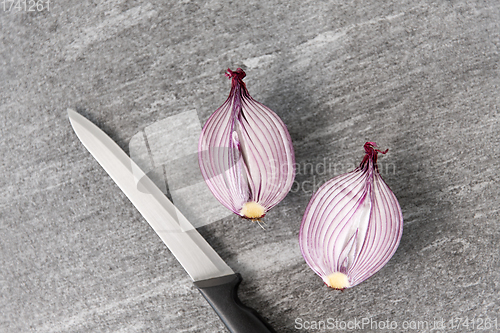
column 419, row 78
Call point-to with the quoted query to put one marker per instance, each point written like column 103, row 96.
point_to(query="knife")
column 215, row 280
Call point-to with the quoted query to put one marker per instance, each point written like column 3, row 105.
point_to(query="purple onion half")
column 245, row 153
column 352, row 225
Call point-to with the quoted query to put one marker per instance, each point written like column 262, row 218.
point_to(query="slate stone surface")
column 421, row 78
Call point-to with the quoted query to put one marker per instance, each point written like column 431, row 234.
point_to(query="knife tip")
column 71, row 112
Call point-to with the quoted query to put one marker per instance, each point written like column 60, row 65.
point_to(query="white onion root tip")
column 337, row 280
column 252, row 210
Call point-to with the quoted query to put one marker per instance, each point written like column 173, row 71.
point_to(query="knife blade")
column 215, row 280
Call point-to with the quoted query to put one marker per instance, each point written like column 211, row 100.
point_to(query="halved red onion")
column 246, row 154
column 352, row 225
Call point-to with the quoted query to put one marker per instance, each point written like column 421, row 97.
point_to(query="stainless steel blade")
column 193, row 252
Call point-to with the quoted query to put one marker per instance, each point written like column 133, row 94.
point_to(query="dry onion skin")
column 352, row 225
column 245, row 153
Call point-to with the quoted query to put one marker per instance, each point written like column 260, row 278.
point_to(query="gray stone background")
column 418, row 77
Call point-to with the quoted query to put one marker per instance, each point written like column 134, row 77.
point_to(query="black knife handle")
column 222, row 295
